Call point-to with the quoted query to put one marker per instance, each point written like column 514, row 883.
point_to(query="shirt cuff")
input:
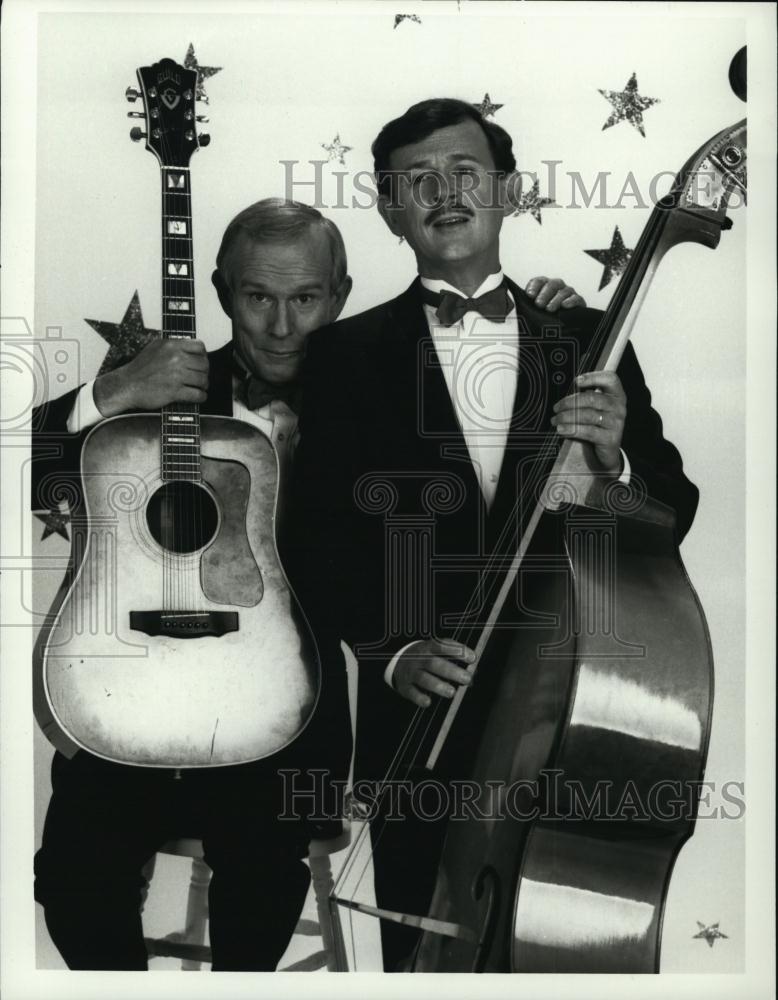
column 626, row 472
column 389, row 672
column 84, row 412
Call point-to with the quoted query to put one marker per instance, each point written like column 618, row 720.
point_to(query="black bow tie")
column 451, row 307
column 255, row 392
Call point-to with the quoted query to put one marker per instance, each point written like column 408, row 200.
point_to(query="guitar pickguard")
column 228, row 570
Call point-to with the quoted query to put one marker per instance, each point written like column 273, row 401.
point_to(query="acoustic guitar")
column 175, row 639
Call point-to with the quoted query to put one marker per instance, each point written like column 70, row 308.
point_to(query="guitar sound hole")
column 182, row 516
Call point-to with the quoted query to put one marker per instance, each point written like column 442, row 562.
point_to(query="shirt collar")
column 439, row 285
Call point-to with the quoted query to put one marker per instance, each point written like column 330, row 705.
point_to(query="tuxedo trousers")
column 104, row 823
column 406, row 829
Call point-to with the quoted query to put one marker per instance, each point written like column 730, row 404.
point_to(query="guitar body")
column 176, row 650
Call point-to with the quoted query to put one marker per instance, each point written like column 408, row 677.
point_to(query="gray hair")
column 277, row 220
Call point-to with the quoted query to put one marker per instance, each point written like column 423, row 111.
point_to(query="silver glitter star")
column 628, row 105
column 399, row 18
column 125, row 339
column 55, row 521
column 336, row 149
column 530, row 201
column 614, row 259
column 203, row 72
column 487, row 107
column 709, row 934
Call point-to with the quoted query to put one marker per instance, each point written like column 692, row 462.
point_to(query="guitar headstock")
column 168, row 92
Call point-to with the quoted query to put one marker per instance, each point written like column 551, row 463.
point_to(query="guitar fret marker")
column 175, row 268
column 176, row 227
column 176, row 180
column 177, row 305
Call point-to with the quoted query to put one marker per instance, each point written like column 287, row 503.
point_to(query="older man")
column 424, row 411
column 281, row 273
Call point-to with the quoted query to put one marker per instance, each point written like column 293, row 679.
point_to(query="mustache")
column 436, row 213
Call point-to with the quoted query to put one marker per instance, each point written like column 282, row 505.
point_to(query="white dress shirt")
column 480, row 362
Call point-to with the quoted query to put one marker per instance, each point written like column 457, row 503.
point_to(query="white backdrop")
column 292, row 78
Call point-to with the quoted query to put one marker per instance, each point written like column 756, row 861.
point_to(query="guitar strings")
column 183, row 514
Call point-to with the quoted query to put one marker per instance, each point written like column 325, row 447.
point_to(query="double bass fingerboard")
column 180, row 421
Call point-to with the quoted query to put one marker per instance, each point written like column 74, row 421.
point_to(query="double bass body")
column 588, row 732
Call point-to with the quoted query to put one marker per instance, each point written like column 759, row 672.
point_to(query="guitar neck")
column 180, row 421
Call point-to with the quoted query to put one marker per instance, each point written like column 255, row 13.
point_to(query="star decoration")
column 487, row 107
column 336, row 149
column 399, row 18
column 54, row 521
column 531, row 202
column 614, row 259
column 125, row 339
column 203, row 72
column 709, row 934
column 628, row 105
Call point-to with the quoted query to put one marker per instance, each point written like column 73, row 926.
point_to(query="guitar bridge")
column 184, row 624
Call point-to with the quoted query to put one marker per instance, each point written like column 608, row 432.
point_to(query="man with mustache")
column 427, row 408
column 281, row 273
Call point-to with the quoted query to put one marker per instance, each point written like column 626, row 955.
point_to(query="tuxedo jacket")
column 389, row 526
column 326, row 741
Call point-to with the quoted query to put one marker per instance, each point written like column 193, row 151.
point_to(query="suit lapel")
column 219, row 399
column 423, row 384
column 418, row 400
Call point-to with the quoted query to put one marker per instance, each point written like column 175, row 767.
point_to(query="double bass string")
column 547, row 455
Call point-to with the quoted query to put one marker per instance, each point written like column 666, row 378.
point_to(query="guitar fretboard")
column 180, row 421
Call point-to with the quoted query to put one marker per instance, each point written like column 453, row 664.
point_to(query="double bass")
column 595, row 722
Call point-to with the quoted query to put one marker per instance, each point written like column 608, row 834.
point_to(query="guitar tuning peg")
column 135, row 114
column 132, row 94
column 202, row 118
column 136, row 134
column 203, row 139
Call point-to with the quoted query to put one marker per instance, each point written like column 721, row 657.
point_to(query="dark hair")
column 427, row 117
column 279, row 220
